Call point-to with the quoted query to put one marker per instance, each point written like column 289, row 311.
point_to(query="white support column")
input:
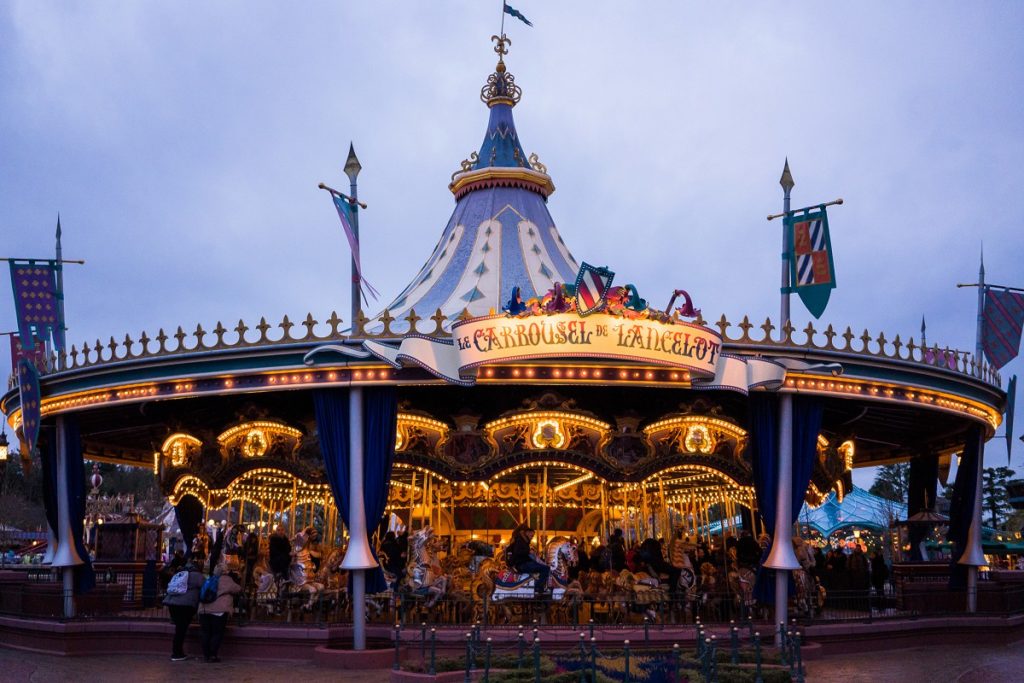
column 66, row 555
column 782, row 558
column 974, row 555
column 358, row 557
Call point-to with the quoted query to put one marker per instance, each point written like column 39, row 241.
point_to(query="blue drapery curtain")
column 331, row 409
column 922, row 483
column 764, row 445
column 85, row 577
column 807, row 413
column 48, row 460
column 189, row 513
column 961, row 507
column 380, row 417
column 380, row 412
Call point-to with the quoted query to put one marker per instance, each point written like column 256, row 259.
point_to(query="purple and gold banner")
column 31, row 405
column 35, row 303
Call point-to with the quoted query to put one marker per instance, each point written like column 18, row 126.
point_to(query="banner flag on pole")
column 511, row 11
column 1002, row 320
column 812, row 272
column 345, row 212
column 31, row 406
column 35, row 302
column 1011, row 400
column 36, row 355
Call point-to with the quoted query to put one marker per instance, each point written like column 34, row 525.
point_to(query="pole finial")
column 352, row 165
column 787, row 178
column 981, row 269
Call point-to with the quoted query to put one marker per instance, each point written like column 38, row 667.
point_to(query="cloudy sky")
column 182, row 144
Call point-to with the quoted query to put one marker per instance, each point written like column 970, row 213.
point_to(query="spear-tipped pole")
column 786, row 181
column 981, row 309
column 352, row 168
column 61, row 328
column 924, row 334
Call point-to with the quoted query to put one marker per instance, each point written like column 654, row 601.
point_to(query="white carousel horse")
column 302, row 575
column 424, row 577
column 560, row 554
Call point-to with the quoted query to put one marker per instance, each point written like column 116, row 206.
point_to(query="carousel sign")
column 589, row 319
column 495, row 339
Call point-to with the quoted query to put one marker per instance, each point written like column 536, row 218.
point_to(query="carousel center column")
column 358, row 557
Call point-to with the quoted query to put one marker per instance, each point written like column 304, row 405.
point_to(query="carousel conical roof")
column 500, row 235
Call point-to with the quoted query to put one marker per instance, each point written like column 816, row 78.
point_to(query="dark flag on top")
column 36, row 302
column 1002, row 321
column 812, row 273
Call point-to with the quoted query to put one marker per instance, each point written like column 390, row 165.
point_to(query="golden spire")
column 501, row 47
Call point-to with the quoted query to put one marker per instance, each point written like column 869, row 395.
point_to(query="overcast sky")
column 182, row 144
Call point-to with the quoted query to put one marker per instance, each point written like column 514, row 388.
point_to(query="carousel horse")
column 688, row 587
column 708, row 599
column 741, row 584
column 302, row 575
column 806, row 598
column 642, row 592
column 560, row 554
column 424, row 577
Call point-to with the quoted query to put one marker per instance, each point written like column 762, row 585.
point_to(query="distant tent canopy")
column 857, row 509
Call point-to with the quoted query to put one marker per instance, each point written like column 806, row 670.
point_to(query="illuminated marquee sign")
column 499, row 338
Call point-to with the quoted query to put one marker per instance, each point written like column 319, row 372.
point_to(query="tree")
column 993, row 490
column 892, row 482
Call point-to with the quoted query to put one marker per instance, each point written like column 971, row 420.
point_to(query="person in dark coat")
column 879, row 572
column 251, row 553
column 182, row 608
column 523, row 560
column 395, row 556
column 279, row 553
column 651, row 555
column 748, row 552
column 617, row 550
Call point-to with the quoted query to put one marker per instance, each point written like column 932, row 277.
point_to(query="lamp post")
column 782, row 558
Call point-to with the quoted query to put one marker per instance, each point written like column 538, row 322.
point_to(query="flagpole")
column 352, row 168
column 60, row 300
column 787, row 187
column 981, row 311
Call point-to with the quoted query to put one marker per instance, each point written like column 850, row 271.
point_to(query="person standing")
column 213, row 616
column 182, row 600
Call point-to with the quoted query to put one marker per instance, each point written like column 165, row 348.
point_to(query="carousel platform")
column 304, row 642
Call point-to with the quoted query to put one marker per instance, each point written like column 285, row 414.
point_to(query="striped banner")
column 811, row 269
column 1003, row 319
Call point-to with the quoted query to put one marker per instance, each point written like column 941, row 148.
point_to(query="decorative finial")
column 58, row 226
column 924, row 334
column 352, row 165
column 501, row 86
column 787, row 178
column 981, row 270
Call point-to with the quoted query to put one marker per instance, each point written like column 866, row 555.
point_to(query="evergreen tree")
column 993, row 491
column 892, row 481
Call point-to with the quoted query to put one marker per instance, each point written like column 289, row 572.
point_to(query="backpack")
column 179, row 583
column 208, row 593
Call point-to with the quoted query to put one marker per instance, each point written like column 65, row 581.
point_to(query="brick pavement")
column 936, row 664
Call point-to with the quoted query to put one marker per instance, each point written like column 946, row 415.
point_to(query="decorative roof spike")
column 352, row 165
column 787, row 178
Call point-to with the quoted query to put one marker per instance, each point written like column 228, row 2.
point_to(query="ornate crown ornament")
column 501, row 86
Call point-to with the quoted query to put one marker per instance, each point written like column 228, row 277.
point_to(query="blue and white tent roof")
column 857, row 508
column 500, row 234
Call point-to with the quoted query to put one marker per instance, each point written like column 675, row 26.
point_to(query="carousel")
column 535, row 393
